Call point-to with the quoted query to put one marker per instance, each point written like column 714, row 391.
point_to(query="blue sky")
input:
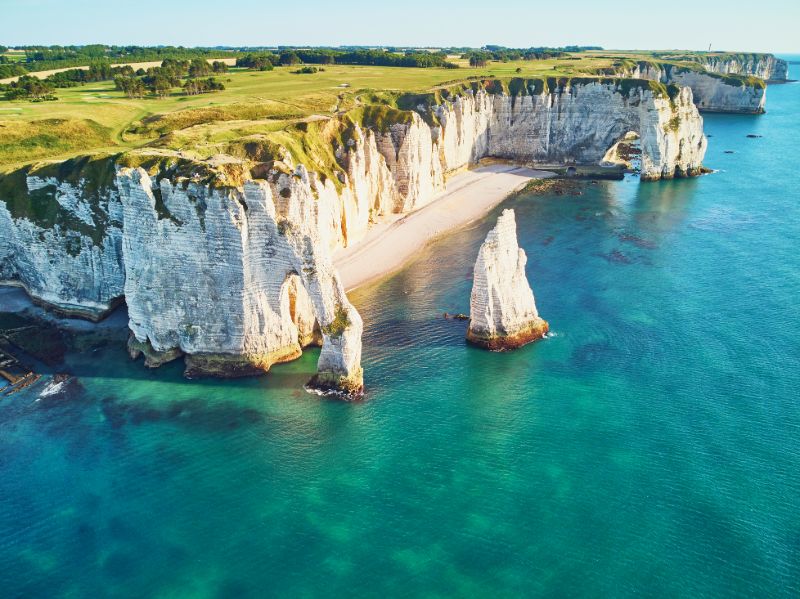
column 766, row 25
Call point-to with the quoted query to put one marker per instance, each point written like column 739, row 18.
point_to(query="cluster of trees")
column 133, row 87
column 192, row 87
column 10, row 69
column 30, row 88
column 262, row 61
column 478, row 59
column 101, row 71
column 161, row 80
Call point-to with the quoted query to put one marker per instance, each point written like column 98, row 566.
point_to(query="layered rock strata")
column 763, row 66
column 226, row 261
column 236, row 278
column 711, row 91
column 503, row 312
column 62, row 241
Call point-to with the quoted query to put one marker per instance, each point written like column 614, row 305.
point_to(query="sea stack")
column 339, row 367
column 503, row 312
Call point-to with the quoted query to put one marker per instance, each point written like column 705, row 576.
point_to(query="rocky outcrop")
column 715, row 93
column 763, row 66
column 226, row 262
column 235, row 277
column 61, row 238
column 503, row 312
column 711, row 92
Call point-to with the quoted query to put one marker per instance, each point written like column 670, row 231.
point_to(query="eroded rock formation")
column 61, row 239
column 763, row 66
column 227, row 261
column 503, row 312
column 711, row 91
column 236, row 278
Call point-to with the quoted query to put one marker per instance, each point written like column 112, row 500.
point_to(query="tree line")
column 158, row 81
column 43, row 58
column 479, row 58
column 266, row 61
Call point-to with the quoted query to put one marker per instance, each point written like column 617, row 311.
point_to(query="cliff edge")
column 225, row 260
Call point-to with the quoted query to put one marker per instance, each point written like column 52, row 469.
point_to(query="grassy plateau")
column 97, row 118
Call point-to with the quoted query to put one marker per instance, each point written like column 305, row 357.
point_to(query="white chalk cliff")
column 227, row 261
column 763, row 66
column 62, row 244
column 236, row 278
column 711, row 91
column 502, row 308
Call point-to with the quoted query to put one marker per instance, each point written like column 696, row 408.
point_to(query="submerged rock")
column 502, row 307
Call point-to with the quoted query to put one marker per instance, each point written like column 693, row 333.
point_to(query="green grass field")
column 97, row 118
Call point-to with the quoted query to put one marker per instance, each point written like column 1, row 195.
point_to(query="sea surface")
column 650, row 447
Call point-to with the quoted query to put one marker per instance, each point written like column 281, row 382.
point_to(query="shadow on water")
column 76, row 416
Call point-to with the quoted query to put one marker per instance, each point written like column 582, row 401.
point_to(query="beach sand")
column 389, row 244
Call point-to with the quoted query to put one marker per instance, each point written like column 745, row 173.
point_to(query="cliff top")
column 225, row 153
column 98, row 118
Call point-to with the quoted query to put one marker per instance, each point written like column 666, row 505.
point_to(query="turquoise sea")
column 651, row 447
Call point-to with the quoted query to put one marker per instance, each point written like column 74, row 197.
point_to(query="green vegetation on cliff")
column 260, row 111
column 91, row 176
column 95, row 116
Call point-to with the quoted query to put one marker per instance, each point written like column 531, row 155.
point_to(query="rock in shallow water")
column 502, row 307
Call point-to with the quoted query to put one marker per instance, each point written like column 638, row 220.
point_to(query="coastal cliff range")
column 226, row 260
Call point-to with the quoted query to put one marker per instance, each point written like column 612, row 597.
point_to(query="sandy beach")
column 391, row 243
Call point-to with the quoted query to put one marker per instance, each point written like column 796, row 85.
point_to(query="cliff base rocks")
column 347, row 387
column 537, row 330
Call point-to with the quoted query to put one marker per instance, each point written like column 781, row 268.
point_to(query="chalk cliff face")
column 764, row 66
column 579, row 123
column 227, row 262
column 711, row 92
column 714, row 94
column 62, row 244
column 570, row 123
column 235, row 277
column 503, row 312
